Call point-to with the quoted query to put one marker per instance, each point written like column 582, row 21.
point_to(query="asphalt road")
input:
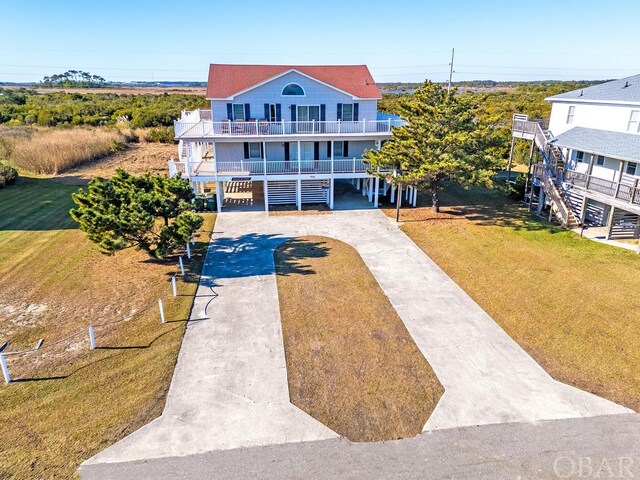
column 596, row 447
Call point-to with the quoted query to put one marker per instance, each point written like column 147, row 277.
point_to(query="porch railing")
column 187, row 128
column 270, row 167
column 628, row 192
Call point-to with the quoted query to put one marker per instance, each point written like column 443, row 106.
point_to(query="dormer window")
column 293, row 89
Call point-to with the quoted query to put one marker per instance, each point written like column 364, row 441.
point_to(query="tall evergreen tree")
column 150, row 212
column 444, row 139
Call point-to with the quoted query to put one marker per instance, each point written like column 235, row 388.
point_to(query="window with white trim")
column 254, row 150
column 238, row 112
column 580, row 156
column 571, row 113
column 347, row 112
column 293, row 89
column 632, row 168
column 600, row 160
column 338, row 150
column 634, row 122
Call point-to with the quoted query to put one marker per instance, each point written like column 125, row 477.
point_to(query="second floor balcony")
column 198, row 125
column 247, row 168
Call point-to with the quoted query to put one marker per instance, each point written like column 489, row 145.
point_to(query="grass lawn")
column 351, row 363
column 572, row 303
column 71, row 402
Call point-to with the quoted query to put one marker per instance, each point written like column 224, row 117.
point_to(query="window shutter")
column 323, row 112
column 328, row 149
column 287, row 155
column 266, row 111
column 229, row 111
column 247, row 112
column 278, row 112
column 246, row 150
column 316, row 150
column 345, row 149
column 355, row 112
column 261, row 150
column 293, row 113
column 339, row 111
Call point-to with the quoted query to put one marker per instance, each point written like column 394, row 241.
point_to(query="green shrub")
column 8, row 175
column 117, row 146
column 161, row 135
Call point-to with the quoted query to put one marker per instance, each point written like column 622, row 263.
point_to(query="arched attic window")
column 292, row 89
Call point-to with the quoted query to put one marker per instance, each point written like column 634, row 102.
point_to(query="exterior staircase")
column 565, row 208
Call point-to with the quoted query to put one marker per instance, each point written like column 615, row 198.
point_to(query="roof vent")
column 626, row 84
column 581, row 93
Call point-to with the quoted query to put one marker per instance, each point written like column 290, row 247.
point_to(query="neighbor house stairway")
column 563, row 204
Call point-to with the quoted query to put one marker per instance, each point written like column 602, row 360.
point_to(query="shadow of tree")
column 290, row 255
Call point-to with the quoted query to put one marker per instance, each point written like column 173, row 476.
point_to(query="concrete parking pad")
column 230, row 388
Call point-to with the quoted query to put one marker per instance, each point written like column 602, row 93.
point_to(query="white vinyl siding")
column 571, row 113
column 634, row 122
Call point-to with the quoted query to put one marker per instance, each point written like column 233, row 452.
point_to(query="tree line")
column 73, row 79
column 27, row 107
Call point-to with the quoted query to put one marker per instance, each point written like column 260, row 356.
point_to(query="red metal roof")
column 226, row 80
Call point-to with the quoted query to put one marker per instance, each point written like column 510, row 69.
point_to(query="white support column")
column 376, row 193
column 331, row 193
column 370, row 189
column 299, row 192
column 299, row 156
column 393, row 193
column 415, row 197
column 266, row 195
column 219, row 198
column 264, row 155
column 364, row 187
column 357, row 184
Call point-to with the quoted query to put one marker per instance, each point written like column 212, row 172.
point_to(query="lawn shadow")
column 482, row 206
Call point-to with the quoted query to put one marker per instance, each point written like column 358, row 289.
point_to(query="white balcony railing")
column 271, row 167
column 187, row 128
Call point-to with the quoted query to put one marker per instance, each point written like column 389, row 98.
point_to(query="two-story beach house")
column 288, row 132
column 591, row 157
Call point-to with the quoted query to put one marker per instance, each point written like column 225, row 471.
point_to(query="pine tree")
column 444, row 139
column 150, row 212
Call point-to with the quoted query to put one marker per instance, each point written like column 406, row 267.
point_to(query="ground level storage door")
column 314, row 191
column 282, row 192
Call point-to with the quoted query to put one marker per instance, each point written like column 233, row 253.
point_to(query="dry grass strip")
column 351, row 362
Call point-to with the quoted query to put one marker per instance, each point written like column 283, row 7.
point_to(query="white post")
column 162, row 320
column 188, row 251
column 393, row 193
column 181, row 265
column 193, row 239
column 415, row 197
column 264, row 155
column 219, row 196
column 389, row 126
column 299, row 194
column 364, row 187
column 92, row 338
column 266, row 195
column 331, row 194
column 370, row 189
column 299, row 156
column 364, row 126
column 5, row 369
column 376, row 192
column 174, row 287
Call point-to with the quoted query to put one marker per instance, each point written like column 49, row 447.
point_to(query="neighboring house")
column 591, row 157
column 291, row 131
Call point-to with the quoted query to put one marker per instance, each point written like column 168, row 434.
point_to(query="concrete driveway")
column 229, row 388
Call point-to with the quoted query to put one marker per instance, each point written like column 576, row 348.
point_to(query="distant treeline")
column 27, row 107
column 395, row 87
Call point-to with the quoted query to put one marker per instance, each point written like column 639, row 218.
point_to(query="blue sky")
column 399, row 40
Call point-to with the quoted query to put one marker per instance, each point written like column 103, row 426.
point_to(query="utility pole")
column 453, row 51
